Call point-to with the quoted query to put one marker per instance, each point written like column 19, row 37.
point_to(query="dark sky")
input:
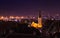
column 29, row 7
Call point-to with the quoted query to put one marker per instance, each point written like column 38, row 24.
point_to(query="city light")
column 17, row 17
column 11, row 17
column 1, row 18
column 36, row 25
column 22, row 17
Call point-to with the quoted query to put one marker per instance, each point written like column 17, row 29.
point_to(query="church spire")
column 39, row 14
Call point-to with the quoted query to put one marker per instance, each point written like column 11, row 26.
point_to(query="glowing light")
column 36, row 25
column 22, row 17
column 39, row 25
column 33, row 17
column 40, row 21
column 6, row 18
column 11, row 17
column 17, row 17
column 1, row 18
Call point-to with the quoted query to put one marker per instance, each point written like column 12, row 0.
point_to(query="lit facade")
column 39, row 24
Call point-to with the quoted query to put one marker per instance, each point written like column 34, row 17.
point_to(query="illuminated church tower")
column 39, row 24
column 39, row 19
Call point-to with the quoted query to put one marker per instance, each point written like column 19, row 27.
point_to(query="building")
column 39, row 24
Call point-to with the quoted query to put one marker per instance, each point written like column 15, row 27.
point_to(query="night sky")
column 29, row 7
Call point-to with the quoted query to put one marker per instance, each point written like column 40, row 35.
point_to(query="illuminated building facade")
column 39, row 19
column 39, row 24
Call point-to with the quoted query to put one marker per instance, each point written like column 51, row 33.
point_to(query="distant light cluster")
column 9, row 18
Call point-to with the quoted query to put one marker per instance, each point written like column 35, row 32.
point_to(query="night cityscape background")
column 29, row 7
column 29, row 19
